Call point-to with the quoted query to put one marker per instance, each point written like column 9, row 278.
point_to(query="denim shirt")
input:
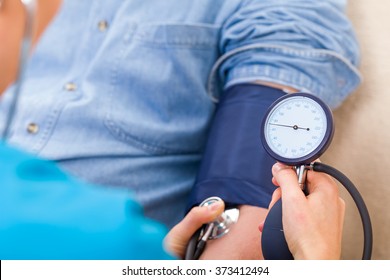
column 122, row 93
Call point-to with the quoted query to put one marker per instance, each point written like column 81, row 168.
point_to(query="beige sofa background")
column 361, row 145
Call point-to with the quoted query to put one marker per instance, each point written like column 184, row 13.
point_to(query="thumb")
column 178, row 237
column 287, row 179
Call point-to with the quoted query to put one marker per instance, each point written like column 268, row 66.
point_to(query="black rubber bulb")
column 273, row 241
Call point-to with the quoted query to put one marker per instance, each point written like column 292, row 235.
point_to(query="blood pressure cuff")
column 235, row 165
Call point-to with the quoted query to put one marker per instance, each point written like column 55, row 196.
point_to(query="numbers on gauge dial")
column 295, row 127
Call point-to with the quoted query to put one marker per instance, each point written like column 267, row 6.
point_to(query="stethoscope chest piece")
column 213, row 230
column 223, row 223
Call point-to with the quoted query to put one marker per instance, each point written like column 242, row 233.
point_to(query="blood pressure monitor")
column 297, row 129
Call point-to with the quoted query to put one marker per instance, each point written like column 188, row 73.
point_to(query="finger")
column 342, row 211
column 261, row 226
column 276, row 195
column 275, row 182
column 177, row 239
column 318, row 178
column 287, row 179
column 321, row 182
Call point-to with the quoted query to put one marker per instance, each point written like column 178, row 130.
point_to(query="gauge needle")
column 295, row 127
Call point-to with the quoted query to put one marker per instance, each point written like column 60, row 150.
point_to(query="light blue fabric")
column 141, row 102
column 47, row 214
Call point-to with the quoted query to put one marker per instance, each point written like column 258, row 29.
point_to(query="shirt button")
column 103, row 25
column 32, row 128
column 70, row 87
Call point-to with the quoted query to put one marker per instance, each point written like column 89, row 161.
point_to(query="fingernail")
column 277, row 166
column 215, row 206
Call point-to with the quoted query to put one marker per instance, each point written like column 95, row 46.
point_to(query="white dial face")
column 295, row 127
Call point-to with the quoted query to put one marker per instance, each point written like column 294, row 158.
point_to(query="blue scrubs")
column 46, row 214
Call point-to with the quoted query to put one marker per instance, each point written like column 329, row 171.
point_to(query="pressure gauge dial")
column 297, row 129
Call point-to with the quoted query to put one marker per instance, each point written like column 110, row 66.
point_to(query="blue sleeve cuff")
column 235, row 165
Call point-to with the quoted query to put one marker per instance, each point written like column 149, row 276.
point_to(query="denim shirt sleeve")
column 308, row 45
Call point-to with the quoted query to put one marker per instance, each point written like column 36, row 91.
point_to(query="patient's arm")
column 243, row 240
